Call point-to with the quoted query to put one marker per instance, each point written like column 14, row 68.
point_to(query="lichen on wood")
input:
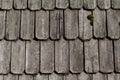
column 91, row 18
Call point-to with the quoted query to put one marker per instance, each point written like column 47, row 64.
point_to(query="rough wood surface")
column 55, row 24
column 1, row 77
column 71, row 77
column 47, row 57
column 2, row 24
column 91, row 56
column 104, row 4
column 18, row 57
column 84, row 76
column 48, row 4
column 7, row 4
column 11, row 77
column 5, row 49
column 61, row 56
column 42, row 25
column 32, row 57
column 62, row 4
column 113, row 23
column 41, row 77
column 25, row 77
column 76, row 56
column 99, row 23
column 20, row 4
column 55, row 76
column 115, row 4
column 71, row 24
column 76, row 4
column 106, row 56
column 90, row 4
column 27, row 25
column 117, row 55
column 100, row 76
column 85, row 28
column 12, row 24
column 34, row 4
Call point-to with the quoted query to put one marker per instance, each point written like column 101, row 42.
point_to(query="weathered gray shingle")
column 55, row 77
column 48, row 4
column 76, row 4
column 10, row 77
column 62, row 4
column 25, row 77
column 104, row 4
column 41, row 77
column 100, row 76
column 34, row 4
column 115, row 4
column 70, row 77
column 89, row 4
column 20, row 4
column 84, row 76
column 7, row 4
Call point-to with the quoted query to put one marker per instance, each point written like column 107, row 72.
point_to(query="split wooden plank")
column 2, row 24
column 48, row 4
column 85, row 28
column 42, row 25
column 106, row 56
column 41, row 77
column 27, row 25
column 104, row 4
column 61, row 56
column 71, row 24
column 113, row 22
column 71, row 77
column 5, row 49
column 18, row 57
column 47, row 57
column 12, row 24
column 100, row 76
column 20, row 4
column 55, row 24
column 99, row 24
column 7, row 4
column 10, row 77
column 84, row 76
column 116, row 4
column 34, row 4
column 117, row 55
column 90, row 4
column 91, row 56
column 76, row 56
column 55, row 76
column 76, row 4
column 62, row 4
column 32, row 57
column 25, row 77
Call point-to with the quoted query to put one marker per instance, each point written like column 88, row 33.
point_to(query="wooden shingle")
column 34, row 4
column 11, row 77
column 90, row 4
column 42, row 25
column 48, row 4
column 76, row 4
column 115, row 4
column 71, row 77
column 100, row 76
column 62, row 4
column 25, row 77
column 55, row 76
column 84, row 76
column 41, row 77
column 20, row 4
column 104, row 4
column 47, row 57
column 32, row 57
column 7, row 4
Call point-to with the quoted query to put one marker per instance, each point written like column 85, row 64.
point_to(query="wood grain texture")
column 27, row 25
column 85, row 28
column 84, row 76
column 12, row 25
column 61, row 56
column 20, row 4
column 99, row 24
column 5, row 48
column 55, row 24
column 90, row 4
column 71, row 24
column 71, row 77
column 100, row 76
column 115, row 4
column 11, row 77
column 42, row 25
column 48, row 4
column 47, row 57
column 32, row 57
column 113, row 24
column 106, row 56
column 55, row 76
column 117, row 55
column 76, row 4
column 62, row 4
column 1, row 77
column 2, row 24
column 41, row 77
column 34, row 4
column 104, row 4
column 18, row 57
column 7, row 4
column 25, row 77
column 91, row 56
column 76, row 56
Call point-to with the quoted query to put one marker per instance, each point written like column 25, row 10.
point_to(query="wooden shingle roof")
column 59, row 39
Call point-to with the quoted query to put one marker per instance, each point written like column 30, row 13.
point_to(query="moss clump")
column 91, row 18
